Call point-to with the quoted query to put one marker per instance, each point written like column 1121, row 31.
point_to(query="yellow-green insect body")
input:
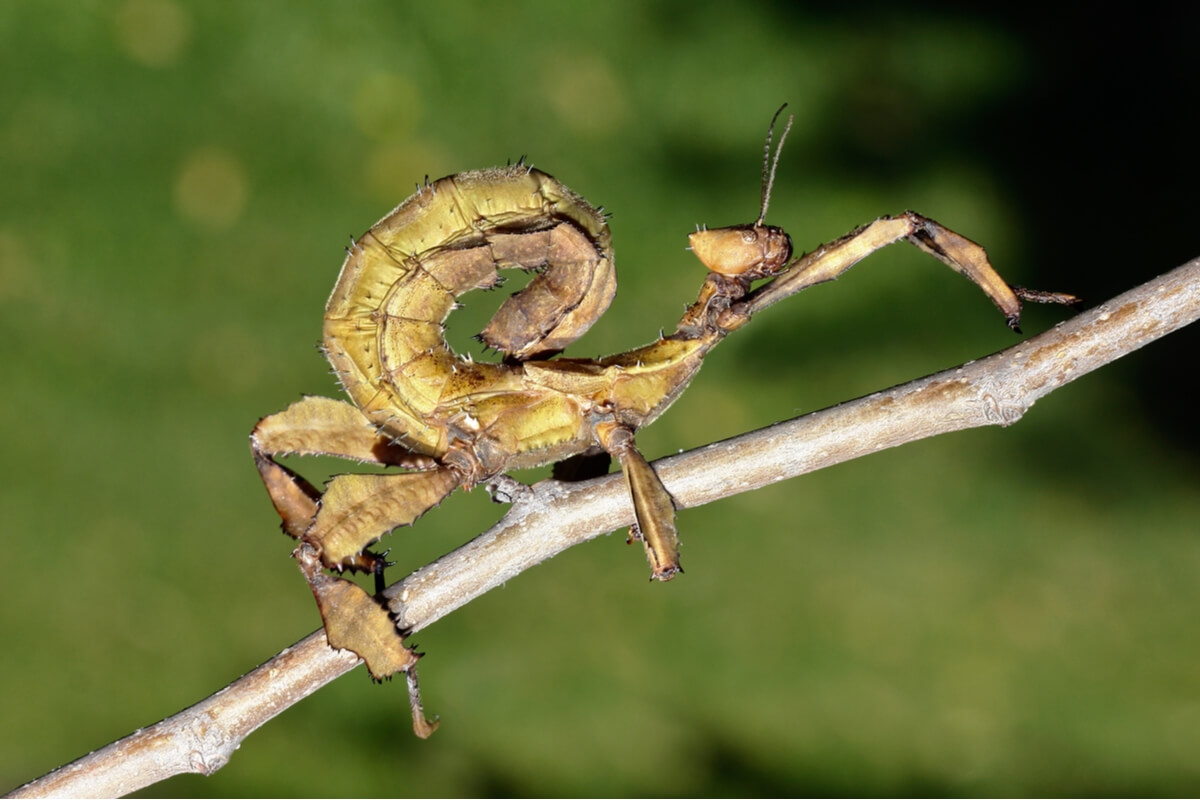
column 451, row 421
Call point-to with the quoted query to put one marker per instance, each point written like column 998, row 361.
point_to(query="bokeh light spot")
column 211, row 189
column 153, row 33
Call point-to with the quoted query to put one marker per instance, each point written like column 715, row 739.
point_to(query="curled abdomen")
column 384, row 322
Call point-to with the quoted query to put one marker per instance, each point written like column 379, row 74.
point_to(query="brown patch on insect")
column 452, row 421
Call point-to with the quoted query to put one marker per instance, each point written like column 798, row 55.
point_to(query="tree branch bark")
column 551, row 516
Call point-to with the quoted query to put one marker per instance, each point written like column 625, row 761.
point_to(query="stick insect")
column 445, row 421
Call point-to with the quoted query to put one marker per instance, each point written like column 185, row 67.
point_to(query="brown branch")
column 550, row 517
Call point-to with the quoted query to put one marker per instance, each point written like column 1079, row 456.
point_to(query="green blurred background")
column 991, row 612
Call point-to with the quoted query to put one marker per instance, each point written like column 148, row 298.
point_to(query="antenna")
column 768, row 178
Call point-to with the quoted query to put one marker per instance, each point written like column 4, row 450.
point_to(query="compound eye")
column 778, row 249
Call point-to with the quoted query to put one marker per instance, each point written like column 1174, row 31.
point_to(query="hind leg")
column 335, row 529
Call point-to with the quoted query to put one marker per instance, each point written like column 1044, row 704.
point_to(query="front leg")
column 829, row 261
column 652, row 503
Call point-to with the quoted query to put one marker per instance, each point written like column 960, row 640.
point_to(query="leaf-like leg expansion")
column 357, row 509
column 652, row 503
column 357, row 622
column 354, row 620
column 829, row 261
column 320, row 425
column 293, row 497
column 324, row 426
column 335, row 529
column 298, row 502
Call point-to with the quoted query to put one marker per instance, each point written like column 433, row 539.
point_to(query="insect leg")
column 652, row 503
column 355, row 509
column 324, row 426
column 335, row 528
column 357, row 622
column 829, row 261
column 353, row 619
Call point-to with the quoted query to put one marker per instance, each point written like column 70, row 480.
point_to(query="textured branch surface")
column 550, row 517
